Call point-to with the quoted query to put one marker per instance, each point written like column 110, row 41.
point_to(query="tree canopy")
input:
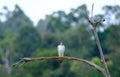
column 20, row 38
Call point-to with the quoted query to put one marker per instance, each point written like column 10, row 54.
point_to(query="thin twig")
column 92, row 10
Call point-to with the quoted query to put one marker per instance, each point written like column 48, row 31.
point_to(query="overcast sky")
column 37, row 9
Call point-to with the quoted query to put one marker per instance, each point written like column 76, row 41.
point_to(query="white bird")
column 61, row 50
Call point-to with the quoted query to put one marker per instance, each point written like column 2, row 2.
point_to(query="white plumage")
column 61, row 49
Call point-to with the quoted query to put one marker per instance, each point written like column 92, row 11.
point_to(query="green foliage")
column 15, row 20
column 112, row 38
column 55, row 24
column 97, row 61
column 3, row 72
column 22, row 39
column 27, row 40
column 84, row 70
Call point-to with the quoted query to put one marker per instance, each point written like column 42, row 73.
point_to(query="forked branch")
column 94, row 25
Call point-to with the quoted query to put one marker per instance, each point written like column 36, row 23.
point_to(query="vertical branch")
column 92, row 10
column 94, row 24
column 101, row 54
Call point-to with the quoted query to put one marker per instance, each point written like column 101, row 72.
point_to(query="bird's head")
column 61, row 43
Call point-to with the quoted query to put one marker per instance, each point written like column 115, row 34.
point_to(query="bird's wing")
column 63, row 48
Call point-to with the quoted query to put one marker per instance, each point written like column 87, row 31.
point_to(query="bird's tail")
column 60, row 60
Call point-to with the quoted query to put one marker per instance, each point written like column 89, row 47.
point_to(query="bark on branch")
column 94, row 25
column 26, row 59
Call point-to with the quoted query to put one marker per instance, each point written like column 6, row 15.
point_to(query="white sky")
column 37, row 9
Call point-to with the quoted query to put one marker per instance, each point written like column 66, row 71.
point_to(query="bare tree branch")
column 92, row 10
column 94, row 25
column 101, row 53
column 26, row 59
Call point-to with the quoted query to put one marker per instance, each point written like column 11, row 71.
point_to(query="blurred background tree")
column 20, row 38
